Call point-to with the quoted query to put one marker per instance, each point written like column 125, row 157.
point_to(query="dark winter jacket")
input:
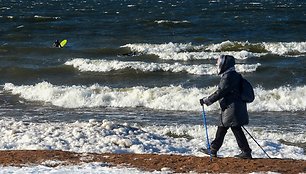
column 233, row 109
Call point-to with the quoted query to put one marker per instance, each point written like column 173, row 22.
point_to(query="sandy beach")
column 152, row 162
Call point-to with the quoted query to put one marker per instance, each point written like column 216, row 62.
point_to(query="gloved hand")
column 205, row 101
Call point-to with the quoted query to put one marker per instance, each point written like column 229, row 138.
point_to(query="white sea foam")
column 112, row 65
column 89, row 136
column 106, row 136
column 278, row 99
column 179, row 51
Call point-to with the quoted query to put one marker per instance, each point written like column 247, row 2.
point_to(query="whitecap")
column 281, row 48
column 113, row 65
column 179, row 51
column 278, row 48
column 46, row 17
column 173, row 22
column 284, row 98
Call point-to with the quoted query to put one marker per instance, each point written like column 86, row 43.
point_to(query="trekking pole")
column 256, row 142
column 207, row 139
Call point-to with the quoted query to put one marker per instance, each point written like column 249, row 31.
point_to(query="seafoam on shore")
column 107, row 136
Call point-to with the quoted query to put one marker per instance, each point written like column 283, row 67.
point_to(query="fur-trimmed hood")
column 226, row 62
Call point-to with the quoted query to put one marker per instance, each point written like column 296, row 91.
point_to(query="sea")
column 131, row 75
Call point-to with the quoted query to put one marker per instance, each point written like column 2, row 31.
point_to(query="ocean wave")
column 113, row 65
column 171, row 22
column 35, row 18
column 284, row 98
column 240, row 50
column 46, row 17
column 112, row 137
column 5, row 8
column 7, row 17
column 290, row 48
column 278, row 48
column 179, row 51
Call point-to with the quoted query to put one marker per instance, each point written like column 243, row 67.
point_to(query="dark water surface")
column 269, row 33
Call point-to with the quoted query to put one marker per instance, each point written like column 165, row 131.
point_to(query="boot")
column 244, row 155
column 206, row 151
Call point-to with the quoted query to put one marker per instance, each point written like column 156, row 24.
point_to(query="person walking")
column 234, row 112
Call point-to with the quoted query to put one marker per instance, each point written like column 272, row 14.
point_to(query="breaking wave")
column 240, row 50
column 284, row 98
column 113, row 65
column 179, row 51
column 278, row 48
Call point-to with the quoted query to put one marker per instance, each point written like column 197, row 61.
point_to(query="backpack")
column 247, row 92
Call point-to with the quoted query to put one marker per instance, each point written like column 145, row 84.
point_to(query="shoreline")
column 152, row 162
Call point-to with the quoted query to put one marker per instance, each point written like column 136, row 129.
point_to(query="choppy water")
column 149, row 62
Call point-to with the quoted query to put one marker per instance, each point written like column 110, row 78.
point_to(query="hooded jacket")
column 233, row 109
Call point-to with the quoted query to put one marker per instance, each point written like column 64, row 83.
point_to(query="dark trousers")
column 239, row 135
